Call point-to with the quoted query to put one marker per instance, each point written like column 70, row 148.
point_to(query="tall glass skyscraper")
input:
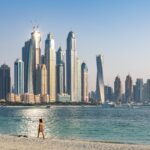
column 5, row 81
column 100, row 95
column 25, row 58
column 50, row 56
column 61, row 71
column 84, row 82
column 138, row 90
column 19, row 76
column 128, row 89
column 71, row 59
column 36, row 49
column 43, row 80
column 117, row 90
column 78, row 80
column 31, row 55
column 60, row 79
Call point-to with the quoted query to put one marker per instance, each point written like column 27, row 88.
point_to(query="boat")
column 108, row 105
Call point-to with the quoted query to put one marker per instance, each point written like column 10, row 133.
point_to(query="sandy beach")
column 23, row 143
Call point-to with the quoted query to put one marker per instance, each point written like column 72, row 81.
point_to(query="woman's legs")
column 43, row 135
column 38, row 134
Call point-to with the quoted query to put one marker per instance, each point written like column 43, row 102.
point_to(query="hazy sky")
column 117, row 29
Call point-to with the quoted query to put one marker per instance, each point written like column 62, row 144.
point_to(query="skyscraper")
column 128, row 89
column 5, row 81
column 19, row 76
column 71, row 59
column 84, row 82
column 117, row 90
column 25, row 58
column 36, row 49
column 43, row 80
column 50, row 56
column 61, row 71
column 148, row 90
column 43, row 59
column 138, row 90
column 30, row 69
column 108, row 93
column 60, row 78
column 100, row 96
column 31, row 55
column 78, row 80
column 145, row 93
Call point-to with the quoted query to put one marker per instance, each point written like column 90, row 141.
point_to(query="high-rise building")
column 43, row 79
column 5, row 81
column 134, row 93
column 19, row 76
column 100, row 96
column 61, row 71
column 145, row 93
column 71, row 59
column 36, row 49
column 108, row 93
column 84, row 82
column 50, row 56
column 60, row 56
column 60, row 78
column 117, row 90
column 43, row 59
column 128, row 89
column 78, row 80
column 138, row 90
column 31, row 55
column 148, row 90
column 25, row 58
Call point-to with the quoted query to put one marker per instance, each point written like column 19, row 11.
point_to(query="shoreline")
column 11, row 142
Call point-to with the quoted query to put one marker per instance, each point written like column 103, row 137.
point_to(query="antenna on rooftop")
column 33, row 28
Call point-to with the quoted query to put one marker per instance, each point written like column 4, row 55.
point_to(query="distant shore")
column 47, row 104
column 24, row 143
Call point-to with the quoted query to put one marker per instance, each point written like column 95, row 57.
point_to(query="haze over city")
column 119, row 30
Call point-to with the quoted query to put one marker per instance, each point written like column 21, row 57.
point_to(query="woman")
column 41, row 128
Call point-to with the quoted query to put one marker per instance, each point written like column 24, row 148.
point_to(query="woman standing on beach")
column 41, row 128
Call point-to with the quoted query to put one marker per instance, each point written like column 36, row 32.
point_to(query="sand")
column 23, row 143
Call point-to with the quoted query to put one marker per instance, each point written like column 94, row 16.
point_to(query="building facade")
column 43, row 80
column 5, row 81
column 71, row 59
column 19, row 76
column 60, row 78
column 36, row 49
column 84, row 82
column 100, row 95
column 25, row 58
column 108, row 93
column 138, row 91
column 117, row 90
column 78, row 80
column 128, row 89
column 31, row 56
column 50, row 56
column 61, row 71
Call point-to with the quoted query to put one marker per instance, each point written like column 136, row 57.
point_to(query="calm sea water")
column 126, row 125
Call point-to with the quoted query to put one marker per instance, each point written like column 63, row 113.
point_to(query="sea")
column 92, row 123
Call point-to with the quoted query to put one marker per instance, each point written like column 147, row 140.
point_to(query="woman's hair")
column 40, row 120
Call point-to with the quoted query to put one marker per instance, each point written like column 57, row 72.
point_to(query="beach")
column 27, row 143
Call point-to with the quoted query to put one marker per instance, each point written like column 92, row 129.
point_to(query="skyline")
column 118, row 30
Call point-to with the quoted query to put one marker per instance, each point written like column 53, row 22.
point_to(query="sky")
column 117, row 29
